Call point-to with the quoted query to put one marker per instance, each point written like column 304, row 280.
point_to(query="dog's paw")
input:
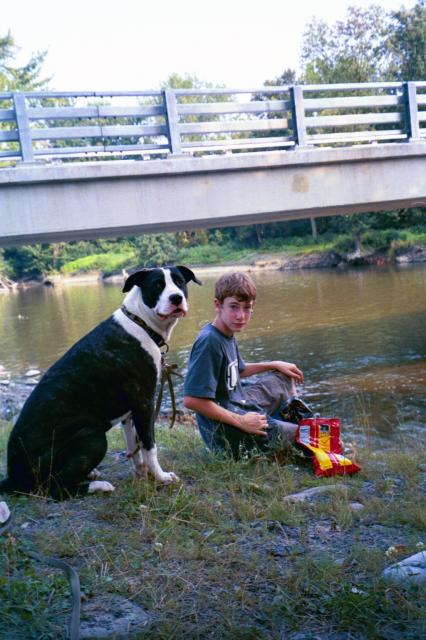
column 94, row 474
column 100, row 485
column 167, row 478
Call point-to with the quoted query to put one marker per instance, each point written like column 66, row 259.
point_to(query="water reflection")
column 360, row 336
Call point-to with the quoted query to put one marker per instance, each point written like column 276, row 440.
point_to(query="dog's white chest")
column 141, row 336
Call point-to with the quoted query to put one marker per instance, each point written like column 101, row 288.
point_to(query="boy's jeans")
column 267, row 395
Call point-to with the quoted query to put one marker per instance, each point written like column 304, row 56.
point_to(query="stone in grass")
column 412, row 570
column 4, row 512
column 313, row 492
column 356, row 506
column 112, row 617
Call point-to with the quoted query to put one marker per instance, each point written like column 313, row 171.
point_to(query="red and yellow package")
column 321, row 436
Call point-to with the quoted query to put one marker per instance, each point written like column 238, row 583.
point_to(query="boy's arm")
column 253, row 423
column 287, row 368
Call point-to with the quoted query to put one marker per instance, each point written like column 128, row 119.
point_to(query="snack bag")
column 321, row 436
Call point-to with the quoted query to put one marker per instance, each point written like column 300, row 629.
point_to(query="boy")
column 229, row 417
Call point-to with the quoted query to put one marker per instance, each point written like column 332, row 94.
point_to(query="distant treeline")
column 384, row 230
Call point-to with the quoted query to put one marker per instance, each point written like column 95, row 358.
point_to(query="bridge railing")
column 150, row 124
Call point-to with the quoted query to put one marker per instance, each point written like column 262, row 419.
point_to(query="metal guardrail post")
column 411, row 112
column 172, row 120
column 23, row 124
column 299, row 125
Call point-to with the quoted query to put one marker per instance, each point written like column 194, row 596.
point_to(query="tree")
column 369, row 45
column 29, row 261
column 407, row 42
column 154, row 250
column 25, row 78
column 352, row 50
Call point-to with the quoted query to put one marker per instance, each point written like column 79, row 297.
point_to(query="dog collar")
column 158, row 339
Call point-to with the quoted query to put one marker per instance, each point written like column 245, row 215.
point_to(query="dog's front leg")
column 151, row 461
column 144, row 424
column 134, row 450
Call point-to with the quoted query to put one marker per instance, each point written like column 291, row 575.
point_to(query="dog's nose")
column 176, row 299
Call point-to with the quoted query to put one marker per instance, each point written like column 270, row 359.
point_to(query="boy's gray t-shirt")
column 214, row 372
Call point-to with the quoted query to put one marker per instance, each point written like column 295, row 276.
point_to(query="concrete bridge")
column 206, row 158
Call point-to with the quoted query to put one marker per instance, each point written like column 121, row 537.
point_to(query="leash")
column 70, row 572
column 167, row 371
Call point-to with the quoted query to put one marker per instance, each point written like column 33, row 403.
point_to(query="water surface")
column 358, row 335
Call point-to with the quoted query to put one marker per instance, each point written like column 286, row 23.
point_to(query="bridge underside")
column 50, row 203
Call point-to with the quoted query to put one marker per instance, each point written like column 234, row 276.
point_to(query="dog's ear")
column 188, row 274
column 136, row 278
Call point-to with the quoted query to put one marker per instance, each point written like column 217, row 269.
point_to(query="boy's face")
column 232, row 315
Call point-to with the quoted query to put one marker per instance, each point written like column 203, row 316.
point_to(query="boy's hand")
column 289, row 369
column 253, row 423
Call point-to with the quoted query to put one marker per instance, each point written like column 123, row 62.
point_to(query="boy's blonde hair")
column 235, row 285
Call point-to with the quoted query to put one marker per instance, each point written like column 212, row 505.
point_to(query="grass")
column 105, row 262
column 221, row 555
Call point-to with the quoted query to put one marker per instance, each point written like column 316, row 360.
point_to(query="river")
column 358, row 335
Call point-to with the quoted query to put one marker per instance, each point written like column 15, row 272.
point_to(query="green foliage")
column 156, row 249
column 13, row 78
column 29, row 261
column 212, row 254
column 384, row 230
column 105, row 262
column 407, row 42
column 347, row 51
column 368, row 45
column 379, row 239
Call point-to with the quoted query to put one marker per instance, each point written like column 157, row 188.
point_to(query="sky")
column 136, row 44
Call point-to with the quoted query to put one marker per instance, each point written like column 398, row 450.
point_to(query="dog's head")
column 164, row 292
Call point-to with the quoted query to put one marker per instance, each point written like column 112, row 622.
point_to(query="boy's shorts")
column 267, row 396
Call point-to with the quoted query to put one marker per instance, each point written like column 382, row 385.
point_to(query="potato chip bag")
column 321, row 437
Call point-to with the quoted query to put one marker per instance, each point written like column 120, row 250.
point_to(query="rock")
column 32, row 372
column 4, row 513
column 313, row 261
column 422, row 468
column 356, row 506
column 413, row 254
column 113, row 617
column 12, row 397
column 366, row 258
column 412, row 569
column 31, row 382
column 308, row 494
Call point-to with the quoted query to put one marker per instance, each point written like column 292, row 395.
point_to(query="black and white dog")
column 112, row 372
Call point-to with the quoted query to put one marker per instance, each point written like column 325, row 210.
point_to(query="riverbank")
column 226, row 553
column 255, row 262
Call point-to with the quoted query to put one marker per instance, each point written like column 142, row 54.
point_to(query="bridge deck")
column 91, row 200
